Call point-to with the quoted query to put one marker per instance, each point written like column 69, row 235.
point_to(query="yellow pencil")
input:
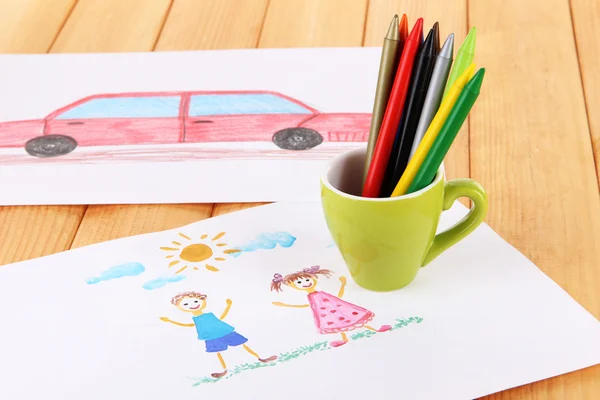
column 432, row 131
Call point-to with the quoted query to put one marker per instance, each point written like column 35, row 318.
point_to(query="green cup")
column 385, row 241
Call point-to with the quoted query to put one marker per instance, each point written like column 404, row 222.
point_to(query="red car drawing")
column 183, row 117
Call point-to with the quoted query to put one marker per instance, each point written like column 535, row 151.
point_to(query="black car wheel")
column 50, row 146
column 297, row 139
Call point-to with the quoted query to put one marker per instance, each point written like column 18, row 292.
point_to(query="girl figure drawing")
column 331, row 314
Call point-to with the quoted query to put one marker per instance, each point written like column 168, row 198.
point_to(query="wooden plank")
column 112, row 25
column 30, row 26
column 116, row 221
column 530, row 149
column 302, row 23
column 213, row 24
column 452, row 18
column 586, row 14
column 226, row 208
column 35, row 231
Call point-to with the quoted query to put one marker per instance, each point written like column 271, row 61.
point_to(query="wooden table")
column 533, row 139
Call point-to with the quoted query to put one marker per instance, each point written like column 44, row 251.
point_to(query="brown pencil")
column 390, row 56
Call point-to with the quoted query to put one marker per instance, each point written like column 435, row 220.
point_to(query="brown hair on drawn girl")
column 312, row 272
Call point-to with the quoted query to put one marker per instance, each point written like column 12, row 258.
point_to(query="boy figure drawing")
column 218, row 335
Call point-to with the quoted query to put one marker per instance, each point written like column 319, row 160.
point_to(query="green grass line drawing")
column 301, row 351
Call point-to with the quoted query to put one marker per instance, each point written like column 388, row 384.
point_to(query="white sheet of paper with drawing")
column 125, row 319
column 173, row 127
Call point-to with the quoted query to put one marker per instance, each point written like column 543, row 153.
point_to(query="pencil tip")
column 470, row 70
column 417, row 30
column 436, row 37
column 476, row 80
column 430, row 37
column 403, row 26
column 393, row 33
column 469, row 43
column 448, row 47
column 429, row 45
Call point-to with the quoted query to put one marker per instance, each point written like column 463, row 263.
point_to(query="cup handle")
column 453, row 190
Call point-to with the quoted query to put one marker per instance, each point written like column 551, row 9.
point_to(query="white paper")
column 479, row 319
column 114, row 163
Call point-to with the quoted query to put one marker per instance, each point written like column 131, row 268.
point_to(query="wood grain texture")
column 304, row 23
column 112, row 25
column 530, row 149
column 116, row 221
column 586, row 23
column 30, row 26
column 226, row 208
column 452, row 18
column 36, row 231
column 213, row 24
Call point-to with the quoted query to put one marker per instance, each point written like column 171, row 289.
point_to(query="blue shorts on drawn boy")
column 217, row 334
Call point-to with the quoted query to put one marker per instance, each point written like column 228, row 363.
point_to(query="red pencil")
column 393, row 113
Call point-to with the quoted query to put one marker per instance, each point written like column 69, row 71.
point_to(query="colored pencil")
column 434, row 128
column 392, row 115
column 439, row 77
column 448, row 133
column 421, row 76
column 464, row 58
column 390, row 56
column 403, row 28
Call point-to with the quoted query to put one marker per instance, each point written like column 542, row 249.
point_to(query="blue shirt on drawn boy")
column 209, row 327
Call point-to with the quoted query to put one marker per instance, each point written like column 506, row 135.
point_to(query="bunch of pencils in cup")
column 421, row 101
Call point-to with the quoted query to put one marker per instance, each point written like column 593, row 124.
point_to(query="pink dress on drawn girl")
column 333, row 315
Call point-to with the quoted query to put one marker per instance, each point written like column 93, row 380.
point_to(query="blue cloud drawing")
column 267, row 241
column 118, row 271
column 162, row 281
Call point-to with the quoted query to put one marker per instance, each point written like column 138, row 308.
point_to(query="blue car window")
column 125, row 107
column 232, row 104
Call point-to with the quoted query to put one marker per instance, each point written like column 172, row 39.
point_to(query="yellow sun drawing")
column 196, row 253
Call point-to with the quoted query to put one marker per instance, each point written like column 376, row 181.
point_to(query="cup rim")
column 440, row 174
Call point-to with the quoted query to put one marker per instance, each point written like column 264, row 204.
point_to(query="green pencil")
column 464, row 58
column 448, row 133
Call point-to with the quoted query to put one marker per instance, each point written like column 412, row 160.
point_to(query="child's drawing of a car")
column 183, row 117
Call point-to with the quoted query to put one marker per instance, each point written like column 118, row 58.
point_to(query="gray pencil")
column 439, row 76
